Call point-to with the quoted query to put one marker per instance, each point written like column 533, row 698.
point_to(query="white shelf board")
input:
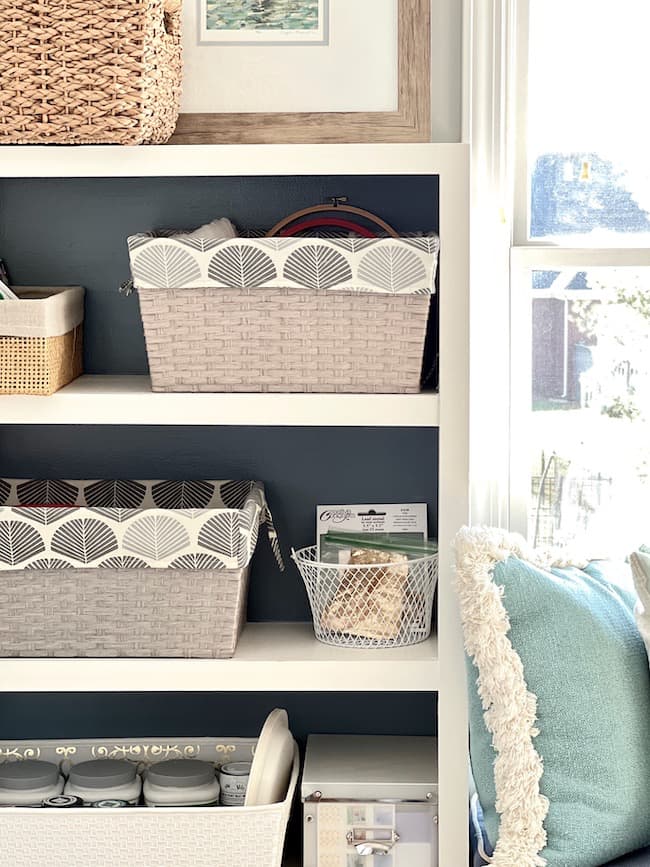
column 42, row 161
column 128, row 400
column 270, row 657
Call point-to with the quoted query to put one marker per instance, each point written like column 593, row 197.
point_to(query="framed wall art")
column 255, row 22
column 368, row 79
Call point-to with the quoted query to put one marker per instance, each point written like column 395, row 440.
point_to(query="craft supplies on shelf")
column 41, row 339
column 29, row 783
column 113, row 568
column 380, row 524
column 371, row 576
column 181, row 783
column 182, row 836
column 233, row 782
column 285, row 314
column 89, row 73
column 7, row 294
column 377, row 599
column 99, row 780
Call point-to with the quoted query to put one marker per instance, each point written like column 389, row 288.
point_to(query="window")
column 580, row 276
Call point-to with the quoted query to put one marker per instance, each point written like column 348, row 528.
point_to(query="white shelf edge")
column 128, row 400
column 270, row 657
column 42, row 161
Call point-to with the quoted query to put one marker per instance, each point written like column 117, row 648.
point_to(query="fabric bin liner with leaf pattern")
column 207, row 836
column 127, row 567
column 285, row 314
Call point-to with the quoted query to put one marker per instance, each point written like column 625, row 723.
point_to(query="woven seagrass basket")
column 89, row 72
column 41, row 340
column 285, row 314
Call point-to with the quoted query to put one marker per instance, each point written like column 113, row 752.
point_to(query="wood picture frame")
column 411, row 122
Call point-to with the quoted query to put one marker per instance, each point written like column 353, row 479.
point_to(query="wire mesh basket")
column 379, row 604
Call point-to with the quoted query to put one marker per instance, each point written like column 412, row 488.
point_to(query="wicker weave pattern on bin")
column 220, row 837
column 87, row 71
column 283, row 340
column 109, row 613
column 40, row 365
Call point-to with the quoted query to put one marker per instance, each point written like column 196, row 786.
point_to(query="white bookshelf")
column 270, row 657
column 276, row 657
column 114, row 161
column 128, row 400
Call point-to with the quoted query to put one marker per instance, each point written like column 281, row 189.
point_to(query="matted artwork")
column 246, row 22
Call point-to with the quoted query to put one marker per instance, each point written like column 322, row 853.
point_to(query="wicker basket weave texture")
column 283, row 340
column 89, row 71
column 225, row 838
column 112, row 613
column 40, row 365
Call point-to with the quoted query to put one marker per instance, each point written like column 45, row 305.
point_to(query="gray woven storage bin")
column 127, row 567
column 112, row 613
column 285, row 314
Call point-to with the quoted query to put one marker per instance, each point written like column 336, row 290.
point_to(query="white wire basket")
column 386, row 604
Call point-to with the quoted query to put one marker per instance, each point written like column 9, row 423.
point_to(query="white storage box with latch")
column 370, row 797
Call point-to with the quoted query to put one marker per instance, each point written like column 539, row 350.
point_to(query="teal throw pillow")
column 559, row 704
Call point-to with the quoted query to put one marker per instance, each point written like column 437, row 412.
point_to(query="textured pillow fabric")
column 559, row 705
column 640, row 562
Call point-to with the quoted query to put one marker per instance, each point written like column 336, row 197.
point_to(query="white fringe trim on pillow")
column 510, row 710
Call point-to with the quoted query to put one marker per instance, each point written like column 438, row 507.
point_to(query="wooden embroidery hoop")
column 338, row 205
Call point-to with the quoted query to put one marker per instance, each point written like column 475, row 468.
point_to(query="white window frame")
column 495, row 122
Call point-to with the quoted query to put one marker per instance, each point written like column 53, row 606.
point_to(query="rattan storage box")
column 285, row 314
column 41, row 339
column 126, row 568
column 144, row 836
column 88, row 71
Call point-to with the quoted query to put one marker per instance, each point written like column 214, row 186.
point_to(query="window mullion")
column 548, row 257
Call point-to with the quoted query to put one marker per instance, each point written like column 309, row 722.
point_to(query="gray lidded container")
column 181, row 773
column 28, row 774
column 102, row 774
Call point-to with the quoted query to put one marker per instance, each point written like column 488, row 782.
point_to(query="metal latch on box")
column 372, row 841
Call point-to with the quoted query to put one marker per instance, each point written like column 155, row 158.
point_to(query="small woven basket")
column 372, row 605
column 41, row 340
column 89, row 72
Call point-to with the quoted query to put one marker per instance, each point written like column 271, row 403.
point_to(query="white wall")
column 357, row 71
column 446, row 69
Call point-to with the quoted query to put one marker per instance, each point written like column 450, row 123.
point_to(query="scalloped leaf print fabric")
column 317, row 267
column 167, row 264
column 393, row 268
column 18, row 542
column 156, row 536
column 240, row 265
column 383, row 265
column 84, row 540
column 129, row 524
